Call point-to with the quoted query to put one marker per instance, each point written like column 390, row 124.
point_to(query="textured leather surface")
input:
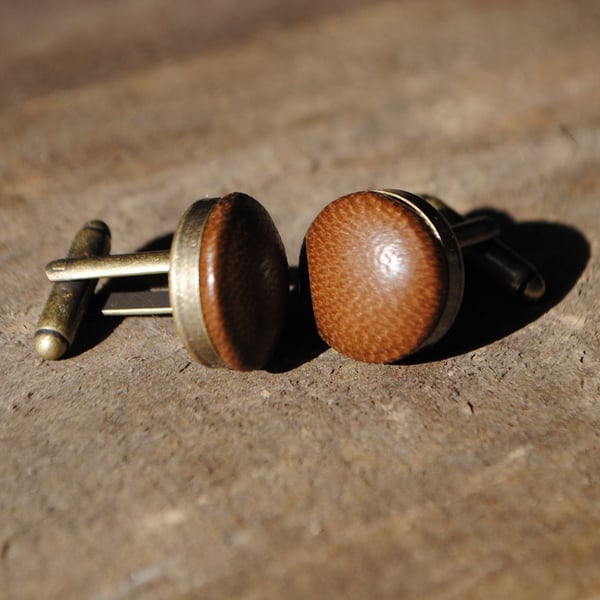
column 243, row 281
column 376, row 277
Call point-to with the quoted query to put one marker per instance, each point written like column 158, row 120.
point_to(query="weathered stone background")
column 469, row 472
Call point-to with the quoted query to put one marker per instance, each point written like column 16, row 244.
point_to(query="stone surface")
column 470, row 471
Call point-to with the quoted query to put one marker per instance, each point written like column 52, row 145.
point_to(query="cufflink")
column 385, row 275
column 228, row 284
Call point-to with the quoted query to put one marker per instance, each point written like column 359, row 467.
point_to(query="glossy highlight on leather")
column 377, row 276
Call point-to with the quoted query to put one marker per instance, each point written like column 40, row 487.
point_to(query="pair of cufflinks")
column 382, row 271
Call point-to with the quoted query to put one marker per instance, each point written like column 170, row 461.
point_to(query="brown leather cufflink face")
column 385, row 271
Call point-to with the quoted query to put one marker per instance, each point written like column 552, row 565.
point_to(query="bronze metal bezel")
column 184, row 284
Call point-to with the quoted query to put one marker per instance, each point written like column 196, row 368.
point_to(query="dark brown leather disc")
column 243, row 281
column 377, row 277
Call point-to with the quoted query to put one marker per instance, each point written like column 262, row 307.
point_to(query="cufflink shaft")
column 497, row 261
column 474, row 231
column 120, row 304
column 116, row 265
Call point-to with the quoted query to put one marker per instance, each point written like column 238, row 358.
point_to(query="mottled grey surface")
column 469, row 472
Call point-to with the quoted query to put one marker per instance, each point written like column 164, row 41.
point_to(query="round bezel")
column 184, row 284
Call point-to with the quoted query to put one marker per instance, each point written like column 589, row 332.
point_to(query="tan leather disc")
column 243, row 281
column 377, row 277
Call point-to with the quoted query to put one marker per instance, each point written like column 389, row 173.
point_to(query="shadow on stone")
column 299, row 342
column 487, row 313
